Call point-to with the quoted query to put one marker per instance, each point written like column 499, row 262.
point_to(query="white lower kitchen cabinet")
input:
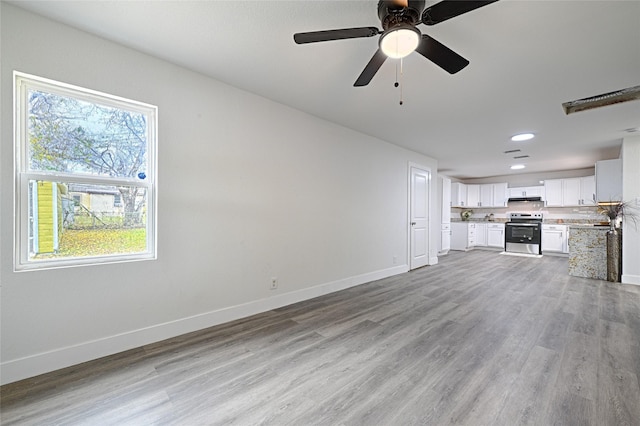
column 467, row 235
column 495, row 235
column 481, row 235
column 555, row 239
column 463, row 235
column 445, row 238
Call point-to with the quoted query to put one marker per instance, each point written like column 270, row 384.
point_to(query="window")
column 85, row 176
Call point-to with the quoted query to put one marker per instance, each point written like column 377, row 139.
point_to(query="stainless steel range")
column 523, row 233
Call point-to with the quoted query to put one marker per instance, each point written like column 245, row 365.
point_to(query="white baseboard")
column 630, row 279
column 33, row 365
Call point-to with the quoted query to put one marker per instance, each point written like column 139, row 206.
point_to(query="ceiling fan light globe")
column 399, row 42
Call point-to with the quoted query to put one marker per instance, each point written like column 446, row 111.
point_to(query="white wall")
column 248, row 189
column 631, row 193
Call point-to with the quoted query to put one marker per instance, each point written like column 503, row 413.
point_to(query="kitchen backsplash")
column 583, row 214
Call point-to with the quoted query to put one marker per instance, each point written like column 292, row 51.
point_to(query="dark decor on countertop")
column 616, row 211
column 614, row 257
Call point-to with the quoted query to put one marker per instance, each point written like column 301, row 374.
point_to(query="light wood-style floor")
column 479, row 339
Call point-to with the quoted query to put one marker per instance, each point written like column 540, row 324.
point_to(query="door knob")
column 413, row 223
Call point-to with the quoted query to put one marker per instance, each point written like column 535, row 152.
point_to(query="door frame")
column 430, row 177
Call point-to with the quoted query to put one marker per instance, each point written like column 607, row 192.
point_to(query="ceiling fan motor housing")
column 394, row 13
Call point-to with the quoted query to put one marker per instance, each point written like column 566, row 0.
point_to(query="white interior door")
column 419, row 217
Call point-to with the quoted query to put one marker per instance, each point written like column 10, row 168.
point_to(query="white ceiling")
column 527, row 57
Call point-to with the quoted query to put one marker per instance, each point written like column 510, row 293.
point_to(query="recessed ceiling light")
column 517, row 166
column 522, row 137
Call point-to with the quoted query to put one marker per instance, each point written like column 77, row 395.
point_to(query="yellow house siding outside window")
column 47, row 217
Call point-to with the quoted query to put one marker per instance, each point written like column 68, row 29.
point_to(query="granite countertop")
column 574, row 222
column 570, row 222
column 588, row 251
column 586, row 223
column 499, row 220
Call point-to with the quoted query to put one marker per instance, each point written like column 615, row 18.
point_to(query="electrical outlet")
column 274, row 283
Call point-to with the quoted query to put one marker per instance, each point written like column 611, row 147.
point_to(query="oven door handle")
column 522, row 224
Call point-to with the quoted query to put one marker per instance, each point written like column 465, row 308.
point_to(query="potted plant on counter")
column 616, row 211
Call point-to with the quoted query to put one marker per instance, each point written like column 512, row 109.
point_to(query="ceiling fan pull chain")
column 396, row 84
column 401, row 73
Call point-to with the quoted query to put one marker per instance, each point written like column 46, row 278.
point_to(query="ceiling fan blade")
column 328, row 35
column 441, row 55
column 448, row 9
column 371, row 69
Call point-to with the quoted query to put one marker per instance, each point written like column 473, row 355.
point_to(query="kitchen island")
column 588, row 251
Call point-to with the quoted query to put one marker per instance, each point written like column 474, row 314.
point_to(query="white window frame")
column 22, row 83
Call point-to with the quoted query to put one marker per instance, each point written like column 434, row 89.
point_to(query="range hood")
column 525, row 199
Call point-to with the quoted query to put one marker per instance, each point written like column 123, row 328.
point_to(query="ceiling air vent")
column 624, row 95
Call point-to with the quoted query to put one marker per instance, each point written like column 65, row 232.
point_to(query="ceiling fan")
column 399, row 35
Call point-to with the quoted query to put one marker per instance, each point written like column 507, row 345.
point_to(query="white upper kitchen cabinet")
column 500, row 194
column 526, row 191
column 579, row 191
column 553, row 192
column 517, row 192
column 473, row 196
column 571, row 195
column 486, row 195
column 458, row 194
column 570, row 192
column 609, row 180
column 588, row 190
